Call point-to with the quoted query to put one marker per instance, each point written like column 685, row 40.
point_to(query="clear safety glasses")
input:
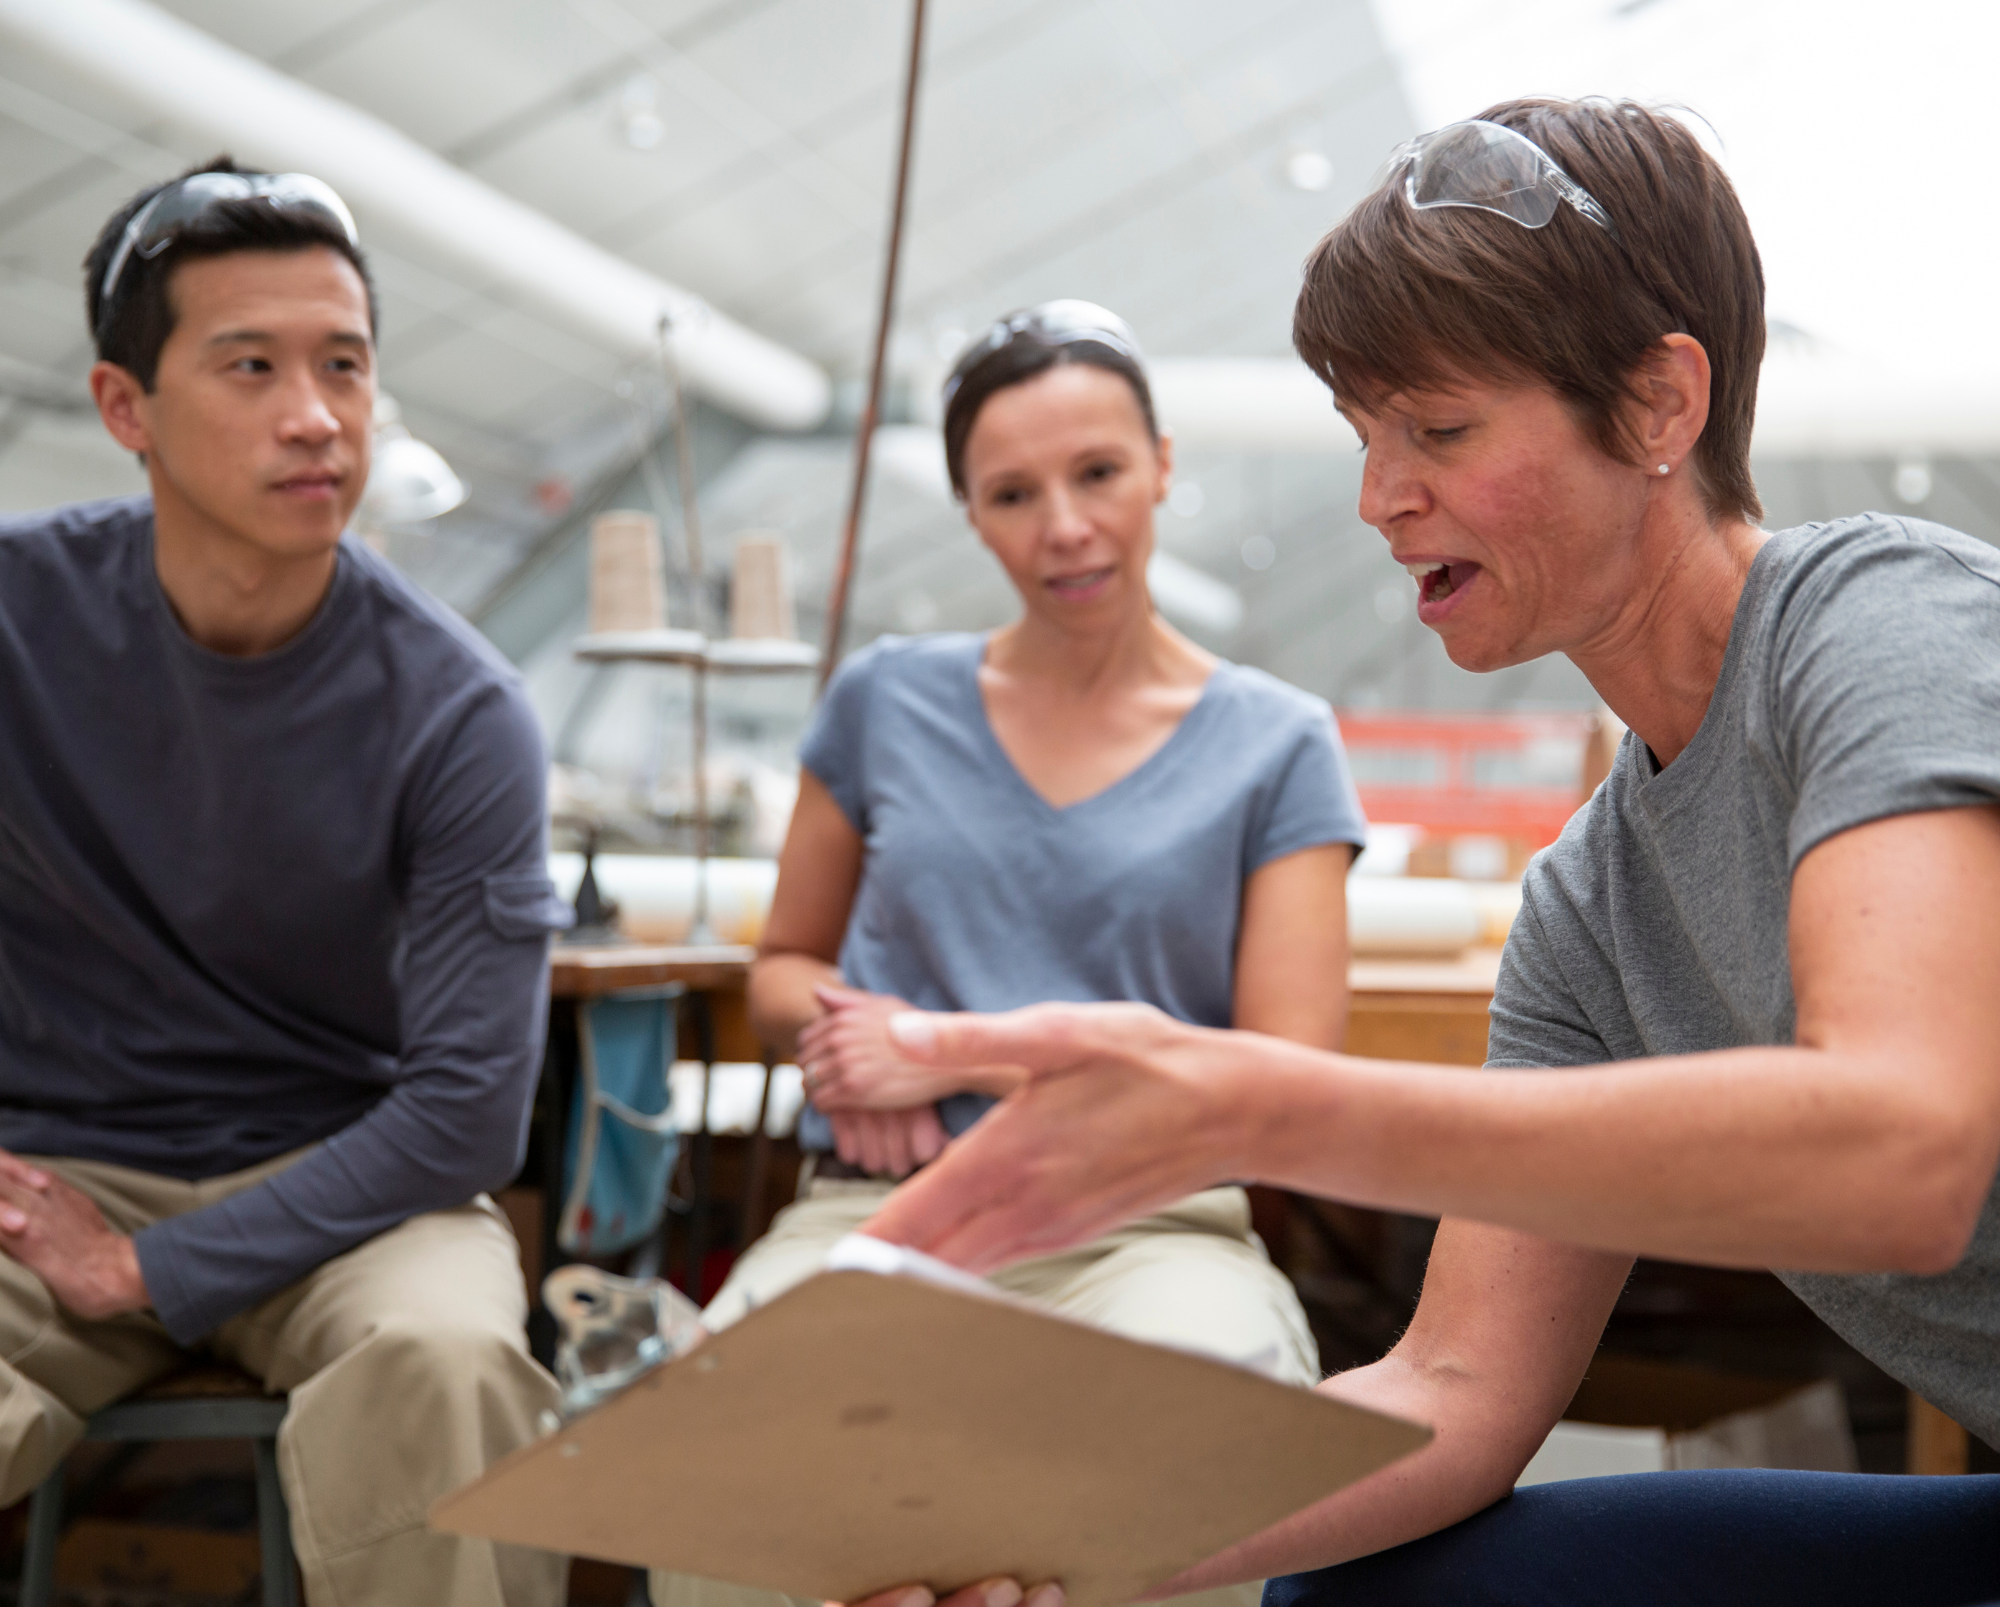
column 1053, row 323
column 1483, row 165
column 156, row 224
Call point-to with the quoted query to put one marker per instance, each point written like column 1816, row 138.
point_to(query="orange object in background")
column 1513, row 777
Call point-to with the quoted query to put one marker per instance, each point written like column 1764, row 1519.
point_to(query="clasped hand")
column 1119, row 1110
column 879, row 1103
column 850, row 1064
column 58, row 1233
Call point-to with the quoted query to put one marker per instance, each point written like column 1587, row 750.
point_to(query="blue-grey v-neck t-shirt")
column 978, row 894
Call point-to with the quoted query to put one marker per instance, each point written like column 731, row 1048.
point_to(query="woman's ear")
column 1670, row 396
column 1163, row 450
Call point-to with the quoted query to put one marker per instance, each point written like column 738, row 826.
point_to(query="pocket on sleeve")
column 523, row 904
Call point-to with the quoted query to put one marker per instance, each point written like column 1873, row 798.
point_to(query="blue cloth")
column 1737, row 1538
column 253, row 904
column 977, row 894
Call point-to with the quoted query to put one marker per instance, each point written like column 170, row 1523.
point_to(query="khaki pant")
column 408, row 1374
column 1193, row 1276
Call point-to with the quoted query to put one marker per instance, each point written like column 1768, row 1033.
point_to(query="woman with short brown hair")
column 1746, row 1016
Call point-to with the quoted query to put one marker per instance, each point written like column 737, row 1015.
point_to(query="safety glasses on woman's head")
column 1483, row 165
column 155, row 225
column 1053, row 323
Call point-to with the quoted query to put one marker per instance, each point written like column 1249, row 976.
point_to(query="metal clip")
column 614, row 1330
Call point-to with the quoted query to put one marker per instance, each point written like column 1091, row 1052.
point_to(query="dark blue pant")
column 1712, row 1539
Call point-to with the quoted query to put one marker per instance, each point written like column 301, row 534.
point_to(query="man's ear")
column 121, row 403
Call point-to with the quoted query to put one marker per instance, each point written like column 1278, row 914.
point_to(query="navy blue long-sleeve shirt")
column 252, row 904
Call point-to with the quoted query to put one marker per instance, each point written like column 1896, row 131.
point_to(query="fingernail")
column 38, row 1180
column 913, row 1030
column 919, row 1597
column 13, row 1221
column 1046, row 1596
column 1002, row 1593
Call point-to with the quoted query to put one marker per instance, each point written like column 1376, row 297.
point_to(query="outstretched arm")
column 1869, row 1145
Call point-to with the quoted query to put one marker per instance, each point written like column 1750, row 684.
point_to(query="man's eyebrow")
column 245, row 337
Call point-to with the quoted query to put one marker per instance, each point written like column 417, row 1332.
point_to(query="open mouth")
column 1437, row 581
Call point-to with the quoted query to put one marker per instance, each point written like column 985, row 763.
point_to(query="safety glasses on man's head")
column 157, row 224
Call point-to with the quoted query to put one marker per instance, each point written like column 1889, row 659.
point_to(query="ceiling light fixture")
column 639, row 119
column 408, row 481
column 1308, row 170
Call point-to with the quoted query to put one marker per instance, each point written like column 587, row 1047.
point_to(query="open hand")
column 1122, row 1110
column 57, row 1233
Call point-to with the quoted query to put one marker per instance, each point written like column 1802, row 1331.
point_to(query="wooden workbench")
column 1401, row 1009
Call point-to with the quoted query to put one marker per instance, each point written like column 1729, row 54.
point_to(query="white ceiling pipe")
column 1810, row 403
column 1828, row 404
column 1247, row 404
column 173, row 71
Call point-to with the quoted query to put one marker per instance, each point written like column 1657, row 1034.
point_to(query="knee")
column 440, row 1363
column 443, row 1350
column 431, row 1385
column 1211, row 1296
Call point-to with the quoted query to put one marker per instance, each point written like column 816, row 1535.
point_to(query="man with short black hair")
column 274, row 917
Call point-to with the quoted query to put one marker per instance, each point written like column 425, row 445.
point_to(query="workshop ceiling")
column 1174, row 159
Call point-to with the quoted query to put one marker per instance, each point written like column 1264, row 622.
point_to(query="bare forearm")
column 781, row 997
column 1451, row 1478
column 1752, row 1157
column 1503, row 1333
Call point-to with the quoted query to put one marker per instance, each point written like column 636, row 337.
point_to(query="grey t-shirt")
column 977, row 894
column 1862, row 680
column 253, row 904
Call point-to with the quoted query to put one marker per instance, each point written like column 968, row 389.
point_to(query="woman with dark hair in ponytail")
column 1080, row 805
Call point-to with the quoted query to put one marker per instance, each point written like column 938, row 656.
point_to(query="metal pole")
column 843, row 573
column 699, row 932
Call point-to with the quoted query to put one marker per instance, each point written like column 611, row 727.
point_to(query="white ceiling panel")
column 1129, row 151
column 442, row 70
column 278, row 31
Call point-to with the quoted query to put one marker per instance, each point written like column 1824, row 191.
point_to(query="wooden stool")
column 197, row 1403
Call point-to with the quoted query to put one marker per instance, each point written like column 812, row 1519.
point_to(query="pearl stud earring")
column 1663, row 468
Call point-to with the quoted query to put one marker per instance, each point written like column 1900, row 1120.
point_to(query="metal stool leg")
column 274, row 1530
column 38, row 1562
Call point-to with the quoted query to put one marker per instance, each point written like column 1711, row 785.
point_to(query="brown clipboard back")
column 864, row 1431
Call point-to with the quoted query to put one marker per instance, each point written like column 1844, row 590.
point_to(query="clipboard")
column 864, row 1431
